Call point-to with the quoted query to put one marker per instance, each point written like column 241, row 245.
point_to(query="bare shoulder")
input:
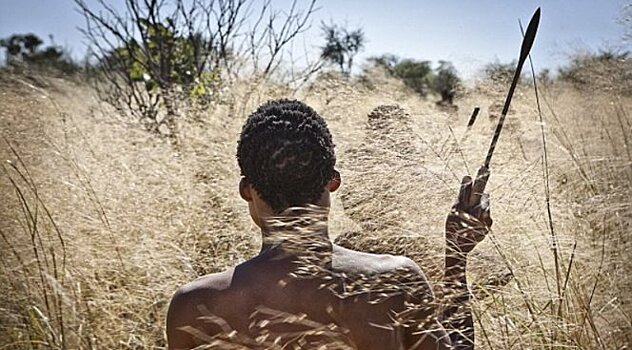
column 211, row 282
column 355, row 262
column 202, row 287
column 403, row 287
column 186, row 301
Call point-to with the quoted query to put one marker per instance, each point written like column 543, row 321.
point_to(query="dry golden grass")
column 100, row 221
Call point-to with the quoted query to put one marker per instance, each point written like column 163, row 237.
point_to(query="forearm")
column 456, row 314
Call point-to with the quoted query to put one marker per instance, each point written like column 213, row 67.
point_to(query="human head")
column 286, row 156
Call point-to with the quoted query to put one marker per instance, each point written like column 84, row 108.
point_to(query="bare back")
column 355, row 300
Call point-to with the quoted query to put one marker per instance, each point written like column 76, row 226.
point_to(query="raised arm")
column 466, row 226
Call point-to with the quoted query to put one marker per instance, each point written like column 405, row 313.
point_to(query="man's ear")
column 245, row 190
column 335, row 181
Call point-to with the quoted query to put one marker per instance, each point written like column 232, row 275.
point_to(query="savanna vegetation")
column 119, row 180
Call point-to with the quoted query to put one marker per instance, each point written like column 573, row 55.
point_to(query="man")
column 304, row 292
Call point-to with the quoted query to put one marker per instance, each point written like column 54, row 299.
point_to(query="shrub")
column 420, row 76
column 24, row 51
column 606, row 70
column 446, row 82
column 498, row 72
column 415, row 74
column 157, row 56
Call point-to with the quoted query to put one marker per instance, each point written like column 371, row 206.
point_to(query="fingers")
column 472, row 200
column 465, row 191
column 478, row 187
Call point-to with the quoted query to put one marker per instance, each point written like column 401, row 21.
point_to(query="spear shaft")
column 527, row 43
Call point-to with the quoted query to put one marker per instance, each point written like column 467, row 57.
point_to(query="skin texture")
column 360, row 300
column 467, row 225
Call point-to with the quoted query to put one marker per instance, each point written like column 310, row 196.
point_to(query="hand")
column 469, row 220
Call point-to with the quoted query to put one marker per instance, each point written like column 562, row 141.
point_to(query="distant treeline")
column 150, row 61
column 27, row 50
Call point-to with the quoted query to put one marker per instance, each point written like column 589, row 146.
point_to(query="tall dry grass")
column 101, row 222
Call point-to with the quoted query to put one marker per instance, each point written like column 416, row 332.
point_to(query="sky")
column 470, row 33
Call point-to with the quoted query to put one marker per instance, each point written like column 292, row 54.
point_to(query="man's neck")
column 297, row 231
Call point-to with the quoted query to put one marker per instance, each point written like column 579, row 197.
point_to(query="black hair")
column 286, row 153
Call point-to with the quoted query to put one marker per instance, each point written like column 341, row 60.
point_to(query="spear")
column 473, row 117
column 527, row 42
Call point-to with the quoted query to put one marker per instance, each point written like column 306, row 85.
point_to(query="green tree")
column 446, row 81
column 417, row 75
column 341, row 45
column 161, row 63
column 158, row 56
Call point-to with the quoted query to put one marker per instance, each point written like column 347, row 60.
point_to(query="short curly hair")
column 285, row 151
